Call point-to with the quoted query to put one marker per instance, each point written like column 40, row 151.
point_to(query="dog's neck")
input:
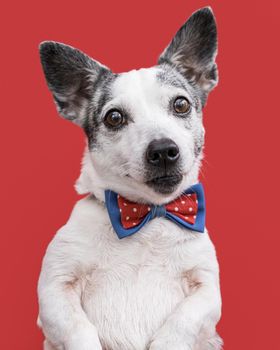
column 91, row 182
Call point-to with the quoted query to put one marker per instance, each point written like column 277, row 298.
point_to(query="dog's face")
column 148, row 131
column 144, row 127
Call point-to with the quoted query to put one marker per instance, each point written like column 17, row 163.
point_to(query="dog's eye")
column 114, row 118
column 181, row 105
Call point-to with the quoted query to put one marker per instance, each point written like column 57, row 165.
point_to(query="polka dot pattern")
column 184, row 207
column 132, row 214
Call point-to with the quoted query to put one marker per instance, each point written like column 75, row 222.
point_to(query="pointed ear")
column 70, row 76
column 193, row 50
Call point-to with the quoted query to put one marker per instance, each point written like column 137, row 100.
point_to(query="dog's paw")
column 170, row 337
column 83, row 344
column 168, row 344
column 83, row 339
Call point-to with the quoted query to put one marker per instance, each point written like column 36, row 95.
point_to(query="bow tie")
column 188, row 210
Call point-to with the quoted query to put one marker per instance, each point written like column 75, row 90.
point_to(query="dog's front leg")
column 61, row 315
column 63, row 321
column 197, row 313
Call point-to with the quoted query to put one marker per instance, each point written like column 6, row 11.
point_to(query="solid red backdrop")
column 40, row 152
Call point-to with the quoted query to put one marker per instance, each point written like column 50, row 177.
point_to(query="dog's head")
column 144, row 127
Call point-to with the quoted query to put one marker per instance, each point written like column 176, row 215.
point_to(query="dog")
column 154, row 283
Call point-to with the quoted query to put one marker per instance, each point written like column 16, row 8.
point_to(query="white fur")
column 156, row 290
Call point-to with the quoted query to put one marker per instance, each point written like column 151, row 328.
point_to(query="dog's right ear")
column 71, row 76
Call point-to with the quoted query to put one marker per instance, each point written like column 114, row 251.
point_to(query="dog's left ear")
column 193, row 50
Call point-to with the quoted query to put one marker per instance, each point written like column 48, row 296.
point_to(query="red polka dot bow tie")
column 132, row 214
column 128, row 217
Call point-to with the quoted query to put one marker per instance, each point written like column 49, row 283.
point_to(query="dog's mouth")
column 165, row 184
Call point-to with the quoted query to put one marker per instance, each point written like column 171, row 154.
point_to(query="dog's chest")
column 136, row 282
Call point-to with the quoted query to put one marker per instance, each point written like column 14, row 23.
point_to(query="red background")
column 40, row 152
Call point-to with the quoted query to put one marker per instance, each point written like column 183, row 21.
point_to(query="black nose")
column 162, row 153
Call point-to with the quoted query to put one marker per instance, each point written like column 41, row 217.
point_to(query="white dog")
column 157, row 288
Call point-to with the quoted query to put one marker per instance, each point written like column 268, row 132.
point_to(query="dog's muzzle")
column 162, row 162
